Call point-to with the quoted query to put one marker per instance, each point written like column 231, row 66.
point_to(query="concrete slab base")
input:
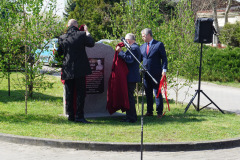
column 106, row 114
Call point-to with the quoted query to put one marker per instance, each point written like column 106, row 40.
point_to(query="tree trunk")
column 26, row 75
column 214, row 7
column 30, row 85
column 227, row 11
column 9, row 78
column 26, row 85
column 30, row 88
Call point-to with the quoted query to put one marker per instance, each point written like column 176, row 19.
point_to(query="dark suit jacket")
column 132, row 64
column 155, row 60
column 72, row 47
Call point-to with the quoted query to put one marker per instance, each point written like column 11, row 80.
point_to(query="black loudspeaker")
column 204, row 30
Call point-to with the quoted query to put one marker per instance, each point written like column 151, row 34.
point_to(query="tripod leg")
column 212, row 102
column 191, row 101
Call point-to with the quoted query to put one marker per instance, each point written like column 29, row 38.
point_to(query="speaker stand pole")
column 200, row 91
column 143, row 71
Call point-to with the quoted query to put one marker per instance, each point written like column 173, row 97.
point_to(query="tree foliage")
column 95, row 14
column 9, row 54
column 101, row 15
column 176, row 32
column 230, row 34
column 70, row 6
column 24, row 26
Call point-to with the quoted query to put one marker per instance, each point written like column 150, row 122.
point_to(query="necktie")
column 147, row 48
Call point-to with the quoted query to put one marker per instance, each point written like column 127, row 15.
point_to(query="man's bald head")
column 72, row 22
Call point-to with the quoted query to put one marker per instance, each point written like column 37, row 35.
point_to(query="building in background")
column 233, row 15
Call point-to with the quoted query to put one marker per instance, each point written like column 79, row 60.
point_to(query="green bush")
column 221, row 64
column 230, row 34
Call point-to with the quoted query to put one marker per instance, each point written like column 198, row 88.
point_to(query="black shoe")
column 82, row 120
column 148, row 114
column 124, row 119
column 159, row 116
column 71, row 118
column 128, row 120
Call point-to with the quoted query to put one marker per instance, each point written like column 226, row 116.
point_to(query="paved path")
column 11, row 151
column 226, row 98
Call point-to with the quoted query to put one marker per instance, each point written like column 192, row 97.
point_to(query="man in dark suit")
column 133, row 75
column 75, row 67
column 155, row 60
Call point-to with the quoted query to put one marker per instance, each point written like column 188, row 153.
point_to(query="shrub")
column 230, row 34
column 221, row 64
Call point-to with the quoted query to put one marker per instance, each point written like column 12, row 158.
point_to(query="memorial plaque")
column 95, row 81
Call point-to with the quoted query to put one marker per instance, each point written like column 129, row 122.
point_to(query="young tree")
column 29, row 26
column 177, row 34
column 10, row 44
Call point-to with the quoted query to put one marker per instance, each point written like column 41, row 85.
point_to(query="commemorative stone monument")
column 100, row 59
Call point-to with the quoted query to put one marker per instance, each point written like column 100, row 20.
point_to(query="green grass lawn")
column 44, row 120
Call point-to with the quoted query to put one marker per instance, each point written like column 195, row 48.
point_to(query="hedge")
column 221, row 64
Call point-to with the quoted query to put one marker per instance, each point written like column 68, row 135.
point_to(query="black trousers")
column 151, row 87
column 131, row 113
column 80, row 85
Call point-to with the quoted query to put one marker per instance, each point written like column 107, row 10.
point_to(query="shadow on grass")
column 18, row 118
column 176, row 116
column 18, row 96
